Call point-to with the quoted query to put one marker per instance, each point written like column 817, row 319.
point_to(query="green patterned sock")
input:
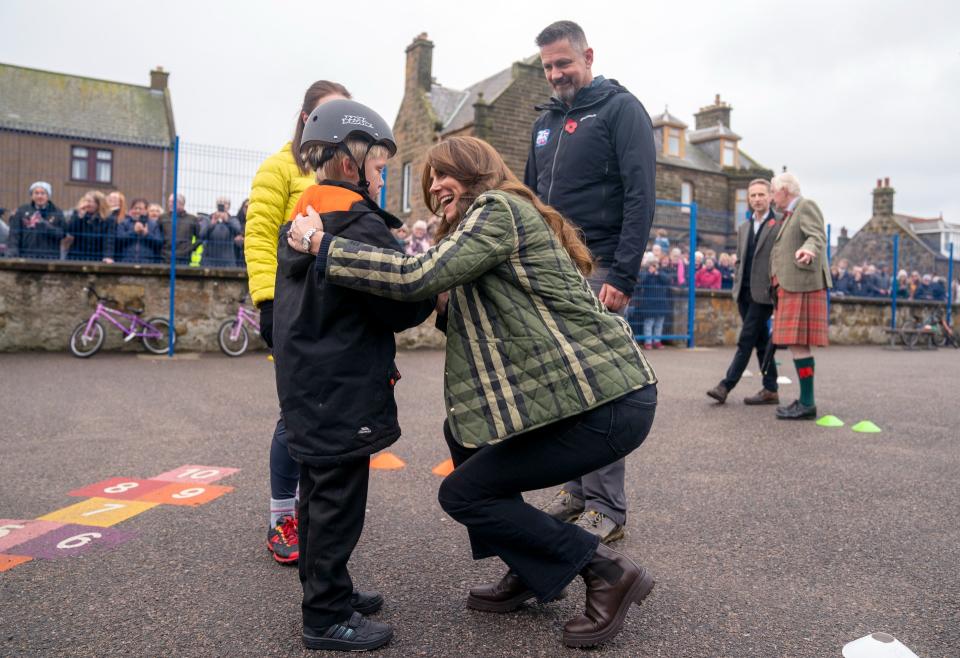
column 805, row 373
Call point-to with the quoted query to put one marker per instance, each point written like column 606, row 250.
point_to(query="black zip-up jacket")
column 595, row 162
column 41, row 241
column 334, row 348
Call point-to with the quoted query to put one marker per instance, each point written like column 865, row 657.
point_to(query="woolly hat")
column 45, row 185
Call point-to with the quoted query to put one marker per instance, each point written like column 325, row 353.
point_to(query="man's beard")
column 566, row 92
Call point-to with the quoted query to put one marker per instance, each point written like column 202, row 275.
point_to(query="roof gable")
column 55, row 103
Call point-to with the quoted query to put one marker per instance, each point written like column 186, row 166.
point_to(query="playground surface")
column 766, row 537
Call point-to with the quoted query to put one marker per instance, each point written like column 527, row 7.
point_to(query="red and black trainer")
column 283, row 540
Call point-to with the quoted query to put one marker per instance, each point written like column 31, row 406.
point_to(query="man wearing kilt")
column 800, row 276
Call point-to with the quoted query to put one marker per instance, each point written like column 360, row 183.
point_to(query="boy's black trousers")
column 332, row 507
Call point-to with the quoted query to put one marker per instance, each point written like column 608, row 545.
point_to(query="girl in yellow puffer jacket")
column 276, row 188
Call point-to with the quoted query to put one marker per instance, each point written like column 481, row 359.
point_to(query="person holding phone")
column 217, row 233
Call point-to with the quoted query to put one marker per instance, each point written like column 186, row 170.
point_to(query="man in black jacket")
column 592, row 157
column 751, row 290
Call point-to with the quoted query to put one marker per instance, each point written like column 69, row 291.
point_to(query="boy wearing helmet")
column 334, row 350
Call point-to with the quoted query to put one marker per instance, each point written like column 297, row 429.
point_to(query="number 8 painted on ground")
column 121, row 487
column 78, row 540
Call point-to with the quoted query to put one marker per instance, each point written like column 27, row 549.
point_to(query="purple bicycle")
column 87, row 339
column 233, row 337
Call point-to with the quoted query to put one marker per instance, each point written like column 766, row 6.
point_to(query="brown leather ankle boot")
column 613, row 581
column 504, row 596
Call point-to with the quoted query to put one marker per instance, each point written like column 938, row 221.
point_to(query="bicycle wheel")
column 86, row 346
column 939, row 338
column 159, row 345
column 910, row 333
column 228, row 345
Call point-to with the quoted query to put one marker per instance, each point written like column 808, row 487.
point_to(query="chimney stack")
column 713, row 115
column 883, row 198
column 158, row 78
column 419, row 64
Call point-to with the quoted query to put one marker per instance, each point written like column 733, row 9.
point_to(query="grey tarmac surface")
column 766, row 538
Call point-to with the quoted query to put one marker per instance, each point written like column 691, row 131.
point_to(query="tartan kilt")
column 801, row 318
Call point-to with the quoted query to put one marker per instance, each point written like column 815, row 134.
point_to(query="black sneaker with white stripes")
column 356, row 634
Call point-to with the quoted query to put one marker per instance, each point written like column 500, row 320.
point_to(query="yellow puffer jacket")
column 274, row 194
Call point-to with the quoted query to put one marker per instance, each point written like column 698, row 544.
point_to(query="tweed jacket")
column 760, row 262
column 528, row 343
column 803, row 228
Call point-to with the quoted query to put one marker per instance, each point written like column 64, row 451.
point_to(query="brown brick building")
column 81, row 133
column 499, row 110
column 704, row 165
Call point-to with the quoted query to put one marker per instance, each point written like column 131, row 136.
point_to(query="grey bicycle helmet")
column 334, row 121
column 331, row 123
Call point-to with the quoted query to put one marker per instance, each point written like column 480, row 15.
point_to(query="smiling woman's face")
column 447, row 190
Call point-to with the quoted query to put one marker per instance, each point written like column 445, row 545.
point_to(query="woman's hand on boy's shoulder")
column 300, row 226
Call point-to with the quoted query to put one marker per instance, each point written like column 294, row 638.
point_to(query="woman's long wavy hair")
column 479, row 168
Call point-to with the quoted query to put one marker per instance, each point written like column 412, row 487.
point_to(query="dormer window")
column 728, row 153
column 674, row 141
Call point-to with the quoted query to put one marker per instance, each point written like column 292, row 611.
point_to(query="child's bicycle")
column 233, row 336
column 934, row 326
column 87, row 339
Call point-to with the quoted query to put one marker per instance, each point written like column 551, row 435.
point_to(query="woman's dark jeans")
column 484, row 491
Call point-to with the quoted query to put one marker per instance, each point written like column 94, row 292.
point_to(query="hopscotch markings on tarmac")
column 184, row 493
column 71, row 540
column 195, row 473
column 119, row 488
column 101, row 512
column 8, row 562
column 85, row 526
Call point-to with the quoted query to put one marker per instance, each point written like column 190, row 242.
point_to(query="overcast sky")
column 842, row 92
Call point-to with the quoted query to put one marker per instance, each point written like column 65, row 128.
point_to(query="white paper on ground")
column 877, row 645
column 784, row 380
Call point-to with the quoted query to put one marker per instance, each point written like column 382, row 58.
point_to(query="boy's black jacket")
column 334, row 348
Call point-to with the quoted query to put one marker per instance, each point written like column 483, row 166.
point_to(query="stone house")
column 499, row 109
column 705, row 166
column 81, row 133
column 923, row 241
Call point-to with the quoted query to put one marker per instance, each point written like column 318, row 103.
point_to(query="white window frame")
column 741, row 205
column 686, row 195
column 728, row 148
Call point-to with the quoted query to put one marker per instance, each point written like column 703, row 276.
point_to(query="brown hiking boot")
column 719, row 393
column 763, row 397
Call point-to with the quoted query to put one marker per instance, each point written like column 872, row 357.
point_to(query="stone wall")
column 852, row 321
column 42, row 302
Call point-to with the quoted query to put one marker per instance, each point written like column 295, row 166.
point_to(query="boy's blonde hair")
column 331, row 169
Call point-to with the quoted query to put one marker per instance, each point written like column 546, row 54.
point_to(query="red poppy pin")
column 771, row 223
column 571, row 126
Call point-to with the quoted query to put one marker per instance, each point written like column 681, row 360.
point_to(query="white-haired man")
column 800, row 275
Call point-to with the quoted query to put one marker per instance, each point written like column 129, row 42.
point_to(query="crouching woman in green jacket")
column 542, row 385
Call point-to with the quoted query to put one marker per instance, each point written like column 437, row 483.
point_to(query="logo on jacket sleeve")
column 542, row 137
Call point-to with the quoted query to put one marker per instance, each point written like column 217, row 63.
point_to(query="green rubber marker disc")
column 866, row 426
column 830, row 421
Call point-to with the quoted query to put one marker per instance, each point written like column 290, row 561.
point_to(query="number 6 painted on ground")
column 78, row 540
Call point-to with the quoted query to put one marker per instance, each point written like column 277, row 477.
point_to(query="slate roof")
column 701, row 148
column 454, row 108
column 711, row 133
column 667, row 119
column 72, row 106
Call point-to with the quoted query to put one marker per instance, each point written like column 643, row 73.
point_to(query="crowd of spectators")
column 419, row 238
column 869, row 280
column 106, row 228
